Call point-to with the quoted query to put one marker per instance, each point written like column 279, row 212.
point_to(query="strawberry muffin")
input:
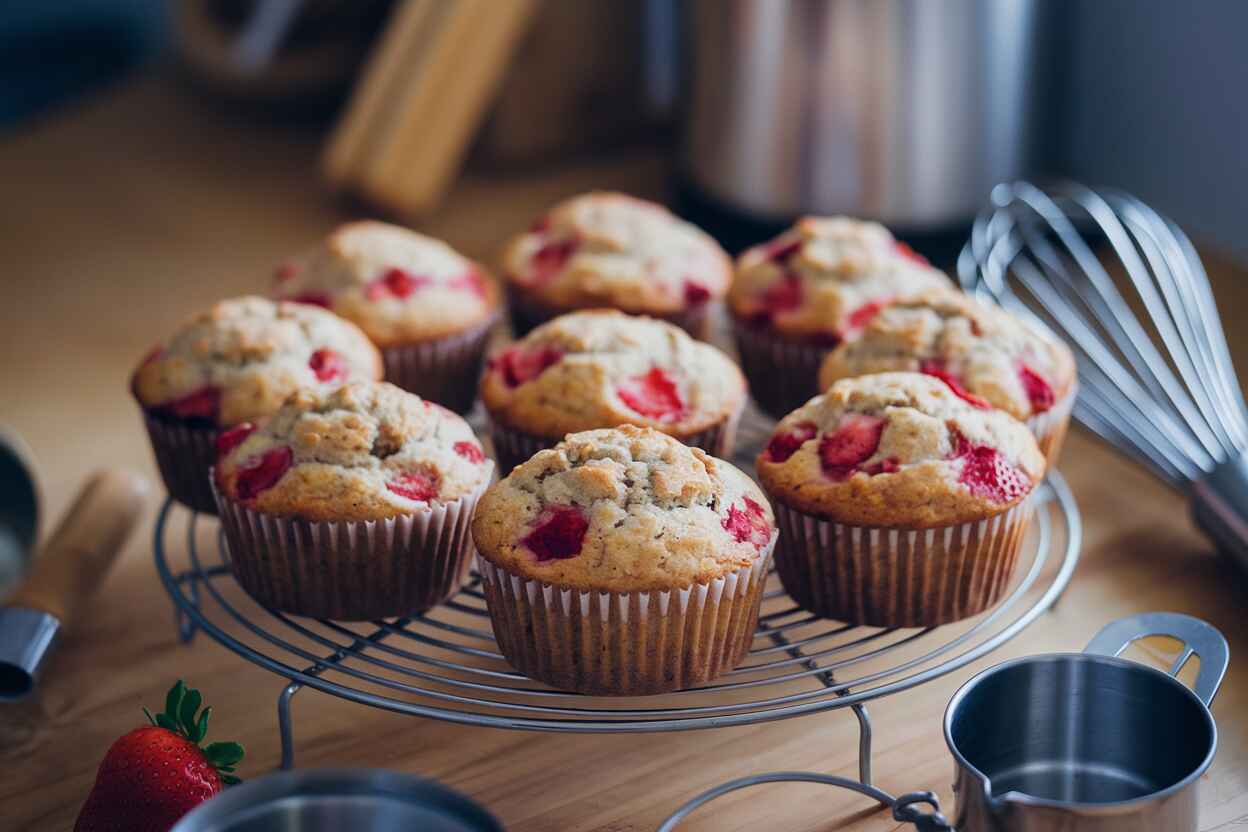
column 602, row 368
column 819, row 283
column 237, row 362
column 351, row 503
column 428, row 308
column 622, row 562
column 612, row 250
column 900, row 504
column 985, row 355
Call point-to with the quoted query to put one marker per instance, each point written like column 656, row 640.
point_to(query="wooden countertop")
column 127, row 213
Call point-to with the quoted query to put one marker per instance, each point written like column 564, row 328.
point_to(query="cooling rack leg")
column 185, row 624
column 864, row 744
column 283, row 724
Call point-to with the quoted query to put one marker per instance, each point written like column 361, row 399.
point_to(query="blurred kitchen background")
column 906, row 111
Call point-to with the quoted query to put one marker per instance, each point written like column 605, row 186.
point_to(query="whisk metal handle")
column 1220, row 506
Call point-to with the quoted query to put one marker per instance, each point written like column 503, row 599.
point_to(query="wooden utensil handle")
column 85, row 544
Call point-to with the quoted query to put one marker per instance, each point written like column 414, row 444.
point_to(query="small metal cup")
column 332, row 800
column 1088, row 742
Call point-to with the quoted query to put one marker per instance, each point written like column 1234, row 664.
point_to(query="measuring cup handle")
column 1198, row 637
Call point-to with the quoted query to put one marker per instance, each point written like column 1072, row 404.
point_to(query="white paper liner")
column 898, row 577
column 184, row 454
column 1049, row 427
column 445, row 370
column 351, row 570
column 512, row 447
column 783, row 374
column 625, row 644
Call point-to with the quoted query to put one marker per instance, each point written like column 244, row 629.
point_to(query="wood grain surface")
column 129, row 212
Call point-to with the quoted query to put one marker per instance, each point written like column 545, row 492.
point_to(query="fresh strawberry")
column 558, row 533
column 311, row 298
column 854, row 441
column 986, row 474
column 154, row 775
column 328, row 365
column 936, row 368
column 470, row 451
column 262, row 473
column 784, row 445
column 1039, row 393
column 748, row 525
column 519, row 365
column 421, row 486
column 653, row 394
column 232, row 438
column 204, row 403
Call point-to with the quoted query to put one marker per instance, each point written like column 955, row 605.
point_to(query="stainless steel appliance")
column 903, row 111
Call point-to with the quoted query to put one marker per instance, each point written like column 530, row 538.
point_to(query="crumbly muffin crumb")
column 623, row 510
column 240, row 359
column 359, row 452
column 610, row 249
column 602, row 368
column 899, row 450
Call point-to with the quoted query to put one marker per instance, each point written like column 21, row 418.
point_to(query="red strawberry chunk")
column 550, row 259
column 910, row 254
column 232, row 438
column 328, row 366
column 696, row 294
column 469, row 451
column 780, row 249
column 558, row 533
column 396, row 283
column 748, row 525
column 854, row 441
column 884, row 466
column 202, row 404
column 784, row 445
column 519, row 365
column 469, row 282
column 262, row 472
column 654, row 395
column 936, row 368
column 1039, row 393
column 784, row 295
column 987, row 475
column 863, row 315
column 321, row 299
column 421, row 486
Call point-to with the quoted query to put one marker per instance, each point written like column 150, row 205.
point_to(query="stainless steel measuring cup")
column 1088, row 742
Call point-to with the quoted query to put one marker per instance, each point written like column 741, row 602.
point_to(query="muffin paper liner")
column 528, row 313
column 1049, row 427
column 512, row 447
column 783, row 374
column 625, row 644
column 351, row 570
column 184, row 454
column 898, row 577
column 445, row 370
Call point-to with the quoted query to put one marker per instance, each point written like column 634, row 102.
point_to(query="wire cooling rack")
column 446, row 665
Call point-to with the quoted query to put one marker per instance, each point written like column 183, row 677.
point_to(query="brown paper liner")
column 351, row 571
column 898, row 577
column 527, row 313
column 445, row 370
column 184, row 455
column 512, row 447
column 783, row 373
column 1049, row 427
column 624, row 644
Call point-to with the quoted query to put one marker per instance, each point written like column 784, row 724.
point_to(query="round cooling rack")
column 445, row 663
